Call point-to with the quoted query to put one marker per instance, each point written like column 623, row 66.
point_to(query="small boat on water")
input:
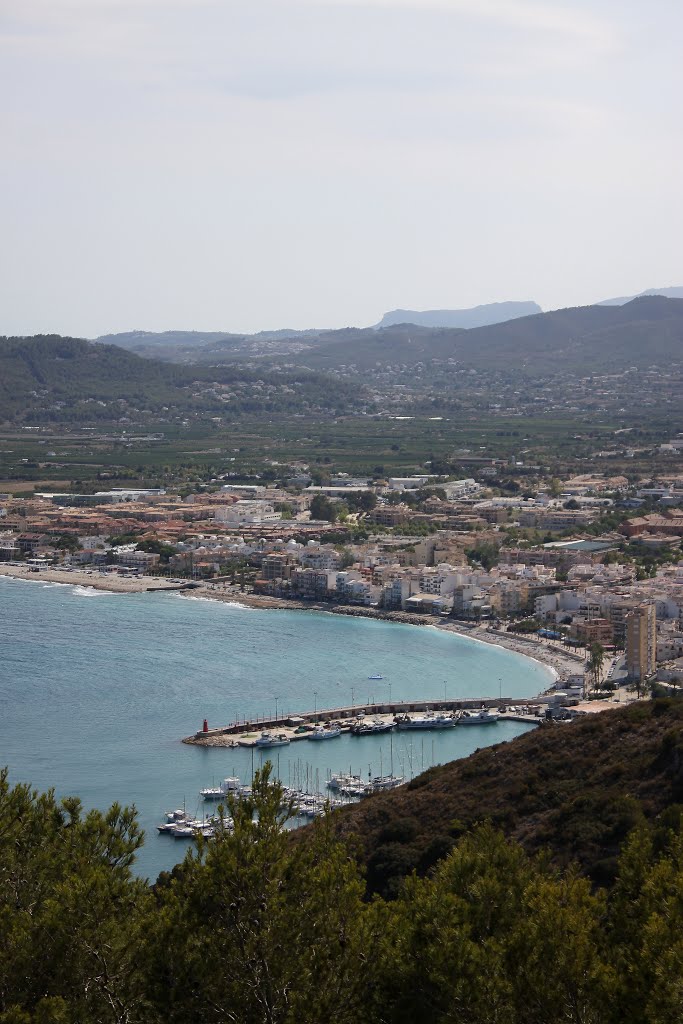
column 384, row 782
column 173, row 819
column 376, row 678
column 231, row 786
column 338, row 780
column 181, row 826
column 482, row 717
column 272, row 739
column 322, row 732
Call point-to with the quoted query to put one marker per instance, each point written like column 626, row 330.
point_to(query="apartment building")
column 641, row 642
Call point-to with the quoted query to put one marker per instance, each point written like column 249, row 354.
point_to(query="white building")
column 245, row 512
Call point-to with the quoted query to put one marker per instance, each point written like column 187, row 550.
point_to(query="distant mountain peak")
column 674, row 292
column 476, row 316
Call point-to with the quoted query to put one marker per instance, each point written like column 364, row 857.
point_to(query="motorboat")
column 376, row 678
column 228, row 787
column 338, row 780
column 173, row 819
column 322, row 732
column 361, row 727
column 482, row 717
column 272, row 739
column 429, row 720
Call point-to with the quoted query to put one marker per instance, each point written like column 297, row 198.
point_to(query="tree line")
column 258, row 925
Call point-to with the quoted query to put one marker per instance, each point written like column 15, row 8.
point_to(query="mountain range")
column 477, row 316
column 668, row 293
column 473, row 336
column 60, row 378
column 642, row 332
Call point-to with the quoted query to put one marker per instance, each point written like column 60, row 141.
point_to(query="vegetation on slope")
column 255, row 928
column 646, row 330
column 48, row 379
column 583, row 339
column 576, row 789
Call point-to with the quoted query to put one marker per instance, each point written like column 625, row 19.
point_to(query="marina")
column 368, row 721
column 114, row 704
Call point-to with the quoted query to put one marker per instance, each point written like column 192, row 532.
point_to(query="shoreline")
column 560, row 663
column 93, row 579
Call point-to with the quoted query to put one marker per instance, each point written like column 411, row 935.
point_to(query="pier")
column 346, row 716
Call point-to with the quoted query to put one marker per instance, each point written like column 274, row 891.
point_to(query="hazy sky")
column 249, row 164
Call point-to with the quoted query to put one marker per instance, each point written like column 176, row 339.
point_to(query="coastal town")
column 583, row 573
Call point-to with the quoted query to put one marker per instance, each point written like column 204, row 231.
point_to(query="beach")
column 112, row 582
column 562, row 662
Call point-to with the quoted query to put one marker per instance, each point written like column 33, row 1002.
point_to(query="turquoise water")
column 97, row 690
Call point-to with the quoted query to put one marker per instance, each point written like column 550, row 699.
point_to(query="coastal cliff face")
column 577, row 789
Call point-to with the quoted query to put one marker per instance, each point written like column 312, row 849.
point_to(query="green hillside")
column 647, row 330
column 52, row 379
column 644, row 331
column 255, row 927
column 577, row 789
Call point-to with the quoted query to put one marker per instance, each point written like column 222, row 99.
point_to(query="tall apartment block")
column 641, row 642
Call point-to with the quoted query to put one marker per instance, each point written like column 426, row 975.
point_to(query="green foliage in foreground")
column 255, row 927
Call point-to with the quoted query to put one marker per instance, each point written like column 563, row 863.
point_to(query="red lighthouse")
column 205, row 727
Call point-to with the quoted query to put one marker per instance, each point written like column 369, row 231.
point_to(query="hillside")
column 577, row 789
column 210, row 346
column 642, row 332
column 52, row 379
column 477, row 316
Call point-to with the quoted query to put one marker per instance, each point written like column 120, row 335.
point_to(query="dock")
column 244, row 731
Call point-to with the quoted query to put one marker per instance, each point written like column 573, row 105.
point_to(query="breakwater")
column 346, row 716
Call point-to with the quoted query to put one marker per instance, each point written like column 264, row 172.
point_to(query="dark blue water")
column 96, row 691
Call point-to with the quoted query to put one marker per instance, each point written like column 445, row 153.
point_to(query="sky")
column 240, row 165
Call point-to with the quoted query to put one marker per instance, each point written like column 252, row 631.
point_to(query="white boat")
column 356, row 791
column 482, row 717
column 322, row 732
column 189, row 829
column 383, row 782
column 272, row 739
column 362, row 728
column 376, row 677
column 338, row 780
column 173, row 818
column 429, row 720
column 230, row 786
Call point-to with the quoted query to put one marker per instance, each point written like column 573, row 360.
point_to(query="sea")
column 98, row 689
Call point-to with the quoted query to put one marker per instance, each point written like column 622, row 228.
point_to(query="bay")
column 97, row 690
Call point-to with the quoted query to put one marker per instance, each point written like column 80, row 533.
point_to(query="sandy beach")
column 112, row 582
column 564, row 663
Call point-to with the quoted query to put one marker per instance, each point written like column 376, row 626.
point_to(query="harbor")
column 118, row 711
column 365, row 719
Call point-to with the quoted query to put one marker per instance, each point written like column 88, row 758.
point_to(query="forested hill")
column 260, row 925
column 52, row 379
column 643, row 332
column 576, row 788
column 647, row 330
